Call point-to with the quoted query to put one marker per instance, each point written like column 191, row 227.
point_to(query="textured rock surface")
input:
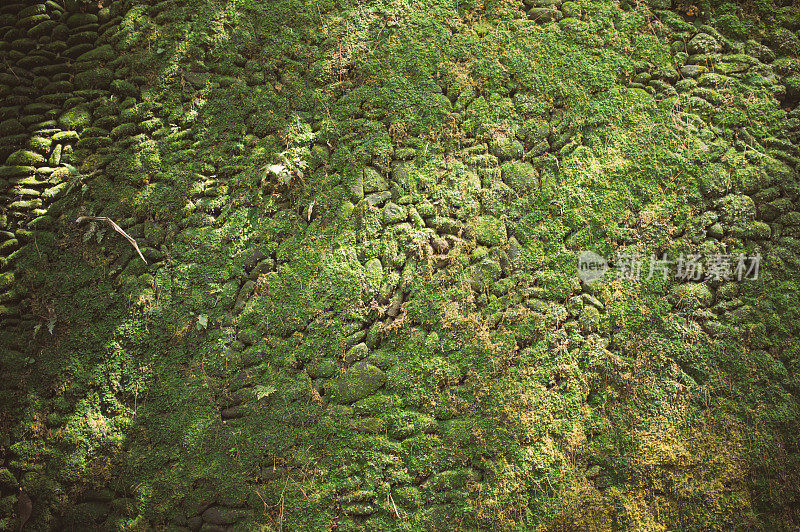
column 360, row 307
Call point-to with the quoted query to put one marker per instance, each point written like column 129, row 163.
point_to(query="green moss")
column 24, row 158
column 75, row 119
column 692, row 295
column 490, row 231
column 411, row 354
column 521, row 177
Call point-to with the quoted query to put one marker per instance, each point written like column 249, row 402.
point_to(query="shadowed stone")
column 358, row 382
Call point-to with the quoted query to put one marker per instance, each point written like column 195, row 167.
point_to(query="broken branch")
column 116, row 228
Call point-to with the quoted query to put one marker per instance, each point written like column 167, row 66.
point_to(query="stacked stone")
column 67, row 101
column 400, row 229
column 544, row 10
column 35, row 84
column 709, row 66
column 387, row 207
column 67, row 96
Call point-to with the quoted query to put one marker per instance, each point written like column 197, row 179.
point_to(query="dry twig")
column 117, row 228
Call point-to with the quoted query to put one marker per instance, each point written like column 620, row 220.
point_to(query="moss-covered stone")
column 692, row 295
column 358, row 382
column 506, row 148
column 373, row 181
column 99, row 78
column 24, row 158
column 521, row 177
column 490, row 231
column 75, row 119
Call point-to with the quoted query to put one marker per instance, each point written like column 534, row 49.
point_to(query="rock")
column 784, row 41
column 244, row 294
column 320, row 155
column 125, row 88
column 80, row 19
column 52, row 192
column 449, row 480
column 714, row 181
column 716, row 231
column 36, row 9
column 378, row 198
column 7, row 480
column 426, row 209
column 10, row 127
column 506, row 148
column 416, row 219
column 40, row 144
column 103, row 495
column 247, row 336
column 602, row 482
column 84, row 44
column 792, row 87
column 99, row 78
column 358, row 509
column 25, row 205
column 357, row 353
column 369, row 425
column 737, row 208
column 490, row 231
column 703, row 43
column 24, row 158
column 693, row 71
column 84, row 516
column 322, row 369
column 755, row 230
column 93, row 143
column 790, row 219
column 408, row 496
column 383, row 359
column 497, row 199
column 253, row 259
column 345, row 210
column 400, row 175
column 440, row 245
column 482, row 160
column 374, row 268
column 405, row 154
column 539, row 148
column 713, row 80
column 756, row 49
column 233, row 412
column 67, row 136
column 356, row 187
column 194, row 523
column 589, row 319
column 76, row 119
column 127, row 129
column 373, row 181
column 446, row 225
column 692, row 296
column 484, row 274
column 16, row 171
column 102, row 53
column 544, row 14
column 571, row 9
column 220, row 516
column 522, row 177
column 358, row 382
column 394, row 213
